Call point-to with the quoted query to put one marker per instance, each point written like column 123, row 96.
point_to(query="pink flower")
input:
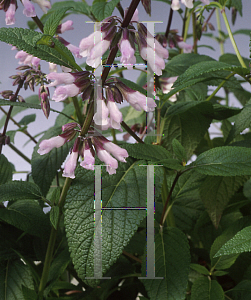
column 70, row 165
column 96, row 53
column 29, row 9
column 101, row 115
column 65, row 26
column 127, row 52
column 112, row 163
column 86, row 44
column 89, row 160
column 115, row 115
column 116, row 151
column 176, row 4
column 166, row 86
column 62, row 92
column 60, row 78
column 10, row 14
column 156, row 63
column 43, row 4
column 47, row 145
column 186, row 47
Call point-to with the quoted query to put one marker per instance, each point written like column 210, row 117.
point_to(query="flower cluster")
column 85, row 148
column 97, row 43
column 10, row 7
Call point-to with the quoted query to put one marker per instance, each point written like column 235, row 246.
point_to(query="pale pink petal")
column 70, row 165
column 47, row 145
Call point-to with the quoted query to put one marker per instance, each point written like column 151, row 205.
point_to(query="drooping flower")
column 186, row 47
column 60, row 78
column 65, row 26
column 101, row 115
column 188, row 3
column 128, row 59
column 43, row 4
column 29, row 9
column 47, row 145
column 166, row 86
column 10, row 14
column 62, row 92
column 89, row 159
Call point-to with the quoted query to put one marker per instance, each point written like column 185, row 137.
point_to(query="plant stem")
column 194, row 33
column 164, row 215
column 88, row 120
column 13, row 99
column 120, row 9
column 232, row 38
column 52, row 241
column 219, row 31
column 77, row 109
column 133, row 134
column 186, row 25
column 18, row 125
column 19, row 153
column 219, row 87
column 39, row 23
column 169, row 22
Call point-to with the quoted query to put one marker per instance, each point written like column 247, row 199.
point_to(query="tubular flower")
column 43, row 4
column 29, row 9
column 62, row 92
column 166, row 86
column 47, row 145
column 10, row 14
column 65, row 26
column 188, row 3
column 127, row 51
column 71, row 163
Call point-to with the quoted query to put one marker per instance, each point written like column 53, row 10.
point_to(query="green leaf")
column 187, row 205
column 54, row 216
column 14, row 275
column 188, row 124
column 50, row 26
column 216, row 192
column 222, row 112
column 204, row 67
column 23, row 214
column 200, row 269
column 126, row 188
column 148, row 152
column 27, row 119
column 240, row 243
column 180, row 63
column 179, row 151
column 232, row 59
column 172, row 262
column 5, row 170
column 58, row 266
column 75, row 6
column 19, row 190
column 241, row 291
column 25, row 39
column 206, row 289
column 242, row 122
column 224, row 161
column 226, row 261
column 235, row 3
column 102, row 9
column 28, row 293
column 45, row 167
column 172, row 164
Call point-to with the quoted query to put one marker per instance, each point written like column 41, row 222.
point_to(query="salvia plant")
column 132, row 201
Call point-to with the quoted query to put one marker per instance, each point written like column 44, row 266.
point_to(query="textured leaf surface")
column 50, row 26
column 242, row 122
column 148, row 152
column 27, row 119
column 222, row 112
column 188, row 127
column 74, row 6
column 241, row 291
column 240, row 243
column 126, row 188
column 207, row 289
column 5, row 170
column 44, row 167
column 179, row 151
column 207, row 67
column 225, row 161
column 25, row 39
column 24, row 214
column 14, row 275
column 19, row 190
column 187, row 205
column 172, row 261
column 226, row 261
column 216, row 192
column 102, row 9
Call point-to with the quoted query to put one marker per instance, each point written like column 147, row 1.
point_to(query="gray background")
column 160, row 12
